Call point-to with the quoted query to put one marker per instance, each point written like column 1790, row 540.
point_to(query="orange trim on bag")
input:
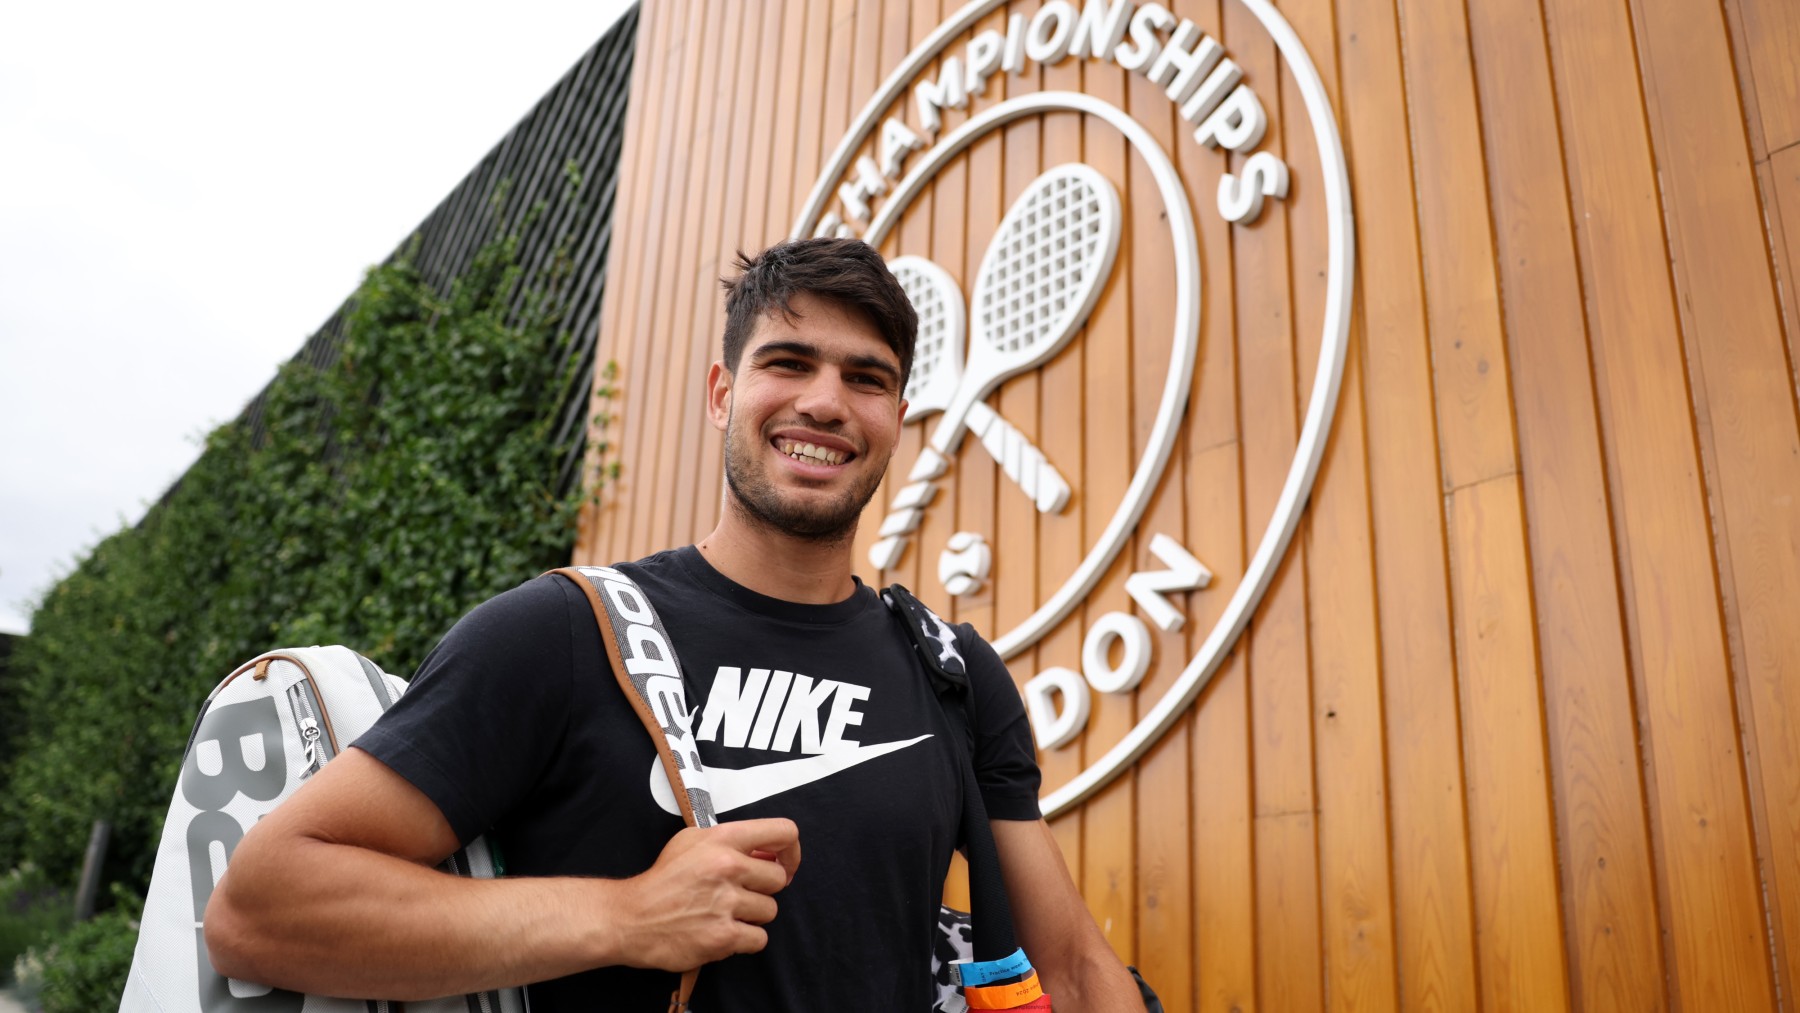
column 1009, row 996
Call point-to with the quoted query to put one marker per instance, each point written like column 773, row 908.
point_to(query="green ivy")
column 86, row 967
column 390, row 492
column 31, row 911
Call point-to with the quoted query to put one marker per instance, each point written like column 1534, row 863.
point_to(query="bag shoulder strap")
column 649, row 674
column 934, row 641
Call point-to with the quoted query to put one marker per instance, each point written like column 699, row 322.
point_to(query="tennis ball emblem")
column 964, row 564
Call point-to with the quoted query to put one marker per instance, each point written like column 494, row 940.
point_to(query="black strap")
column 935, row 643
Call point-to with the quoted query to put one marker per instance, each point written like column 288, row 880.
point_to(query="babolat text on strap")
column 648, row 671
column 644, row 662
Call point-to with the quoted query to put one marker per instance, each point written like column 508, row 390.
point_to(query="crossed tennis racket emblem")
column 1038, row 282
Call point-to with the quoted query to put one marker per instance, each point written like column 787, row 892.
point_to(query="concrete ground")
column 8, row 1004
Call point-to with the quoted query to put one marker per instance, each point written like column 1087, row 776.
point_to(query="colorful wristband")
column 966, row 973
column 1004, row 996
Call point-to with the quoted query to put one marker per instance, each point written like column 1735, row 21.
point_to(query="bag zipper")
column 303, row 698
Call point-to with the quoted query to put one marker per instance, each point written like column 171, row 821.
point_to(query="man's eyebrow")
column 808, row 350
column 790, row 346
column 875, row 363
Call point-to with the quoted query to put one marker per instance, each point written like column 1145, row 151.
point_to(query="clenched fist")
column 708, row 895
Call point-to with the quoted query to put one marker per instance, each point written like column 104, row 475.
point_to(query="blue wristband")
column 970, row 973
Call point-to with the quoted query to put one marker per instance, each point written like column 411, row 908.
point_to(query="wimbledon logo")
column 1049, row 265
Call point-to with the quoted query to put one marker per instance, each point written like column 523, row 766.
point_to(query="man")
column 515, row 728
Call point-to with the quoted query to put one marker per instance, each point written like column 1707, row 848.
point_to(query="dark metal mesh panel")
column 579, row 123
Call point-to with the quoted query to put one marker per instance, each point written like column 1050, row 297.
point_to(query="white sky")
column 187, row 190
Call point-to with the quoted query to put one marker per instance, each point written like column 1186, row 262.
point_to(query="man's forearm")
column 1090, row 981
column 341, row 920
column 1075, row 964
column 334, row 893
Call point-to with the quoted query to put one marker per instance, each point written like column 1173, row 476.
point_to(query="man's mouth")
column 811, row 453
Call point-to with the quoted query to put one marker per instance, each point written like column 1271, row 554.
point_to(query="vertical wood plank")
column 1732, row 324
column 1433, row 910
column 1457, row 244
column 1290, row 971
column 1509, row 812
column 1355, row 886
column 1772, row 31
column 1699, row 818
column 1783, row 204
column 1512, row 847
column 1016, row 573
column 980, row 487
column 694, row 257
column 1224, row 903
column 1109, row 874
column 697, row 325
column 663, row 70
column 1608, row 889
column 1164, row 823
column 659, row 52
column 776, row 210
column 1222, row 852
column 644, row 413
column 839, row 58
column 752, row 222
column 598, row 514
column 1061, row 539
column 1356, row 894
column 810, row 65
column 746, row 225
column 950, row 195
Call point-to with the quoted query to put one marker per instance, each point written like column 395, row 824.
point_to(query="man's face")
column 810, row 419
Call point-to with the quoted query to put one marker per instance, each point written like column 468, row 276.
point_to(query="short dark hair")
column 848, row 272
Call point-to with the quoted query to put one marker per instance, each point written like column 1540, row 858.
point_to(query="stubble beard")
column 754, row 495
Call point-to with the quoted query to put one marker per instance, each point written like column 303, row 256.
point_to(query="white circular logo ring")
column 1321, row 406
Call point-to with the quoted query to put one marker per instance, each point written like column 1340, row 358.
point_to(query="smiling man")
column 816, row 720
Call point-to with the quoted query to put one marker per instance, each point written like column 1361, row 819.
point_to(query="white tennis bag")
column 266, row 729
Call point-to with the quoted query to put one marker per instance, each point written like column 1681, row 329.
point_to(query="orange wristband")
column 1010, row 996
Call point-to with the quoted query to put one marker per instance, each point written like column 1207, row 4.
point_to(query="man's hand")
column 709, row 894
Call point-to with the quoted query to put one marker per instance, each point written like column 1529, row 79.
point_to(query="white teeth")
column 808, row 451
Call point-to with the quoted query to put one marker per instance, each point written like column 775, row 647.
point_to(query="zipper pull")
column 309, row 730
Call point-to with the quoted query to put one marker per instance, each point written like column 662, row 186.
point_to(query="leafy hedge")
column 391, row 492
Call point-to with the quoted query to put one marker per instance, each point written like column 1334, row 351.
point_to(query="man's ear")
column 718, row 394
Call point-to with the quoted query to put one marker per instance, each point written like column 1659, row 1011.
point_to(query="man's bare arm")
column 334, row 893
column 1076, row 966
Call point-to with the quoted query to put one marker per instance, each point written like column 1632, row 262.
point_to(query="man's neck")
column 779, row 565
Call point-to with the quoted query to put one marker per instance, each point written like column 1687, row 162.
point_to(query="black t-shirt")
column 515, row 728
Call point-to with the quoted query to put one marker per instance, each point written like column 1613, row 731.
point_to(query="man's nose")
column 823, row 400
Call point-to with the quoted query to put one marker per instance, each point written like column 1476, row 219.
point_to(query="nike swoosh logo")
column 732, row 789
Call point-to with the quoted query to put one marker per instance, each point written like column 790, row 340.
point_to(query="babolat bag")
column 265, row 730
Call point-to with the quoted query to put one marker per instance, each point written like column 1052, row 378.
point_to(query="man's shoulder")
column 545, row 594
column 668, row 562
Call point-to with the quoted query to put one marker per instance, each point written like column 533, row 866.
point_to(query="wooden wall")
column 1517, row 724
